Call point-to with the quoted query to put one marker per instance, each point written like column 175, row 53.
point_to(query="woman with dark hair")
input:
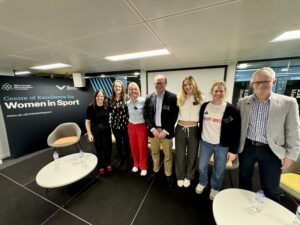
column 98, row 129
column 119, row 121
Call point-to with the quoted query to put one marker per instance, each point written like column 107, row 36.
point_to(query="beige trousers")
column 166, row 145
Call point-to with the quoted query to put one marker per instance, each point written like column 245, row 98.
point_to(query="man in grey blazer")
column 270, row 134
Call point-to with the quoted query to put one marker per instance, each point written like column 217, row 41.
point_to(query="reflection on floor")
column 118, row 198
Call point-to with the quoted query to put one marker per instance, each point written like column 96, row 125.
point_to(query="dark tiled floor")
column 120, row 198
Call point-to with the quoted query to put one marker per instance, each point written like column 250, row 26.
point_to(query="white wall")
column 203, row 76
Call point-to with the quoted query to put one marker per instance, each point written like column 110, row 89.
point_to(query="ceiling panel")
column 96, row 64
column 54, row 53
column 154, row 62
column 242, row 17
column 11, row 43
column 65, row 19
column 158, row 8
column 127, row 40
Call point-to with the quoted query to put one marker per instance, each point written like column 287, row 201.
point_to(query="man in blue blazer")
column 160, row 114
column 270, row 134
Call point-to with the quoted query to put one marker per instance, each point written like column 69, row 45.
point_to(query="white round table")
column 233, row 207
column 68, row 170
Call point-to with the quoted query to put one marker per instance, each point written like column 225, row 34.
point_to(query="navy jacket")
column 169, row 113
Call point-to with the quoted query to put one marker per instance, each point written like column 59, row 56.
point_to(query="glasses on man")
column 158, row 83
column 263, row 82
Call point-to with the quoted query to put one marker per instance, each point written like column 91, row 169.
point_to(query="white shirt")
column 212, row 120
column 189, row 111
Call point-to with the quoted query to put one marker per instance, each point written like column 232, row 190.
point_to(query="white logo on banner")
column 68, row 88
column 7, row 87
column 61, row 87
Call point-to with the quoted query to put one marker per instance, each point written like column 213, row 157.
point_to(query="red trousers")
column 138, row 142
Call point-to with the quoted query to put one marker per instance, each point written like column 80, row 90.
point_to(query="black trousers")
column 102, row 143
column 123, row 146
column 269, row 169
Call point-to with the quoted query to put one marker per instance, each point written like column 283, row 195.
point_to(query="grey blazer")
column 283, row 125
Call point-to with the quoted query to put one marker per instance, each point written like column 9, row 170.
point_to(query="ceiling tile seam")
column 231, row 35
column 226, row 2
column 24, row 34
column 156, row 35
column 100, row 33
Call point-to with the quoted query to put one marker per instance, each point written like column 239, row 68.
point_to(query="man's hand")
column 155, row 132
column 286, row 163
column 162, row 134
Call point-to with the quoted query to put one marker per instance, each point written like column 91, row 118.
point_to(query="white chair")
column 64, row 135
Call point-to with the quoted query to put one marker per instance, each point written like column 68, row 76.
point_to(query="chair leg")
column 80, row 145
column 230, row 178
column 77, row 147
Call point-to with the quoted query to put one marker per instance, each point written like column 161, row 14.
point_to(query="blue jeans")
column 220, row 158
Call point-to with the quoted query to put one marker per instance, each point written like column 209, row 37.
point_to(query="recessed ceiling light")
column 22, row 72
column 136, row 73
column 50, row 66
column 137, row 55
column 243, row 66
column 289, row 35
column 285, row 69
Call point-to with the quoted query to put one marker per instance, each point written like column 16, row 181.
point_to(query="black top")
column 230, row 127
column 119, row 114
column 97, row 115
column 169, row 113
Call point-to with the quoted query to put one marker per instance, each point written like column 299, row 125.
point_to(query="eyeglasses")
column 263, row 82
column 158, row 83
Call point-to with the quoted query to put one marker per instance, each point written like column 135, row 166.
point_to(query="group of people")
column 264, row 128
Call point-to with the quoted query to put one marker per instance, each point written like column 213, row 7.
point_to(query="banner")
column 292, row 89
column 241, row 89
column 33, row 107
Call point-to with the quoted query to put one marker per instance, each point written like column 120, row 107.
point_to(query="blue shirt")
column 136, row 110
column 258, row 121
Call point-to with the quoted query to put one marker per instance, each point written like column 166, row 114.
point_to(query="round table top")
column 233, row 207
column 66, row 170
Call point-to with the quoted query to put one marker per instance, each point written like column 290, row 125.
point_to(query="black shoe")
column 170, row 181
column 151, row 175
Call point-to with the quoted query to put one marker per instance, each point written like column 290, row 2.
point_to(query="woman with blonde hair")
column 137, row 129
column 189, row 101
column 219, row 132
column 119, row 121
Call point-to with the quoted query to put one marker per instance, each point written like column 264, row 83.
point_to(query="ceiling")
column 196, row 32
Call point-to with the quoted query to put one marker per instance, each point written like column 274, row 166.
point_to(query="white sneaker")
column 186, row 183
column 213, row 194
column 135, row 169
column 199, row 189
column 179, row 183
column 143, row 173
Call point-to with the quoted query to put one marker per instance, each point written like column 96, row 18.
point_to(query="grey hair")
column 266, row 70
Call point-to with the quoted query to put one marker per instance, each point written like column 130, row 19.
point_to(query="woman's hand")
column 231, row 156
column 90, row 137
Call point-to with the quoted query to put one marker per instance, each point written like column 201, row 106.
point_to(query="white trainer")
column 213, row 194
column 199, row 189
column 179, row 183
column 143, row 173
column 135, row 169
column 186, row 183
